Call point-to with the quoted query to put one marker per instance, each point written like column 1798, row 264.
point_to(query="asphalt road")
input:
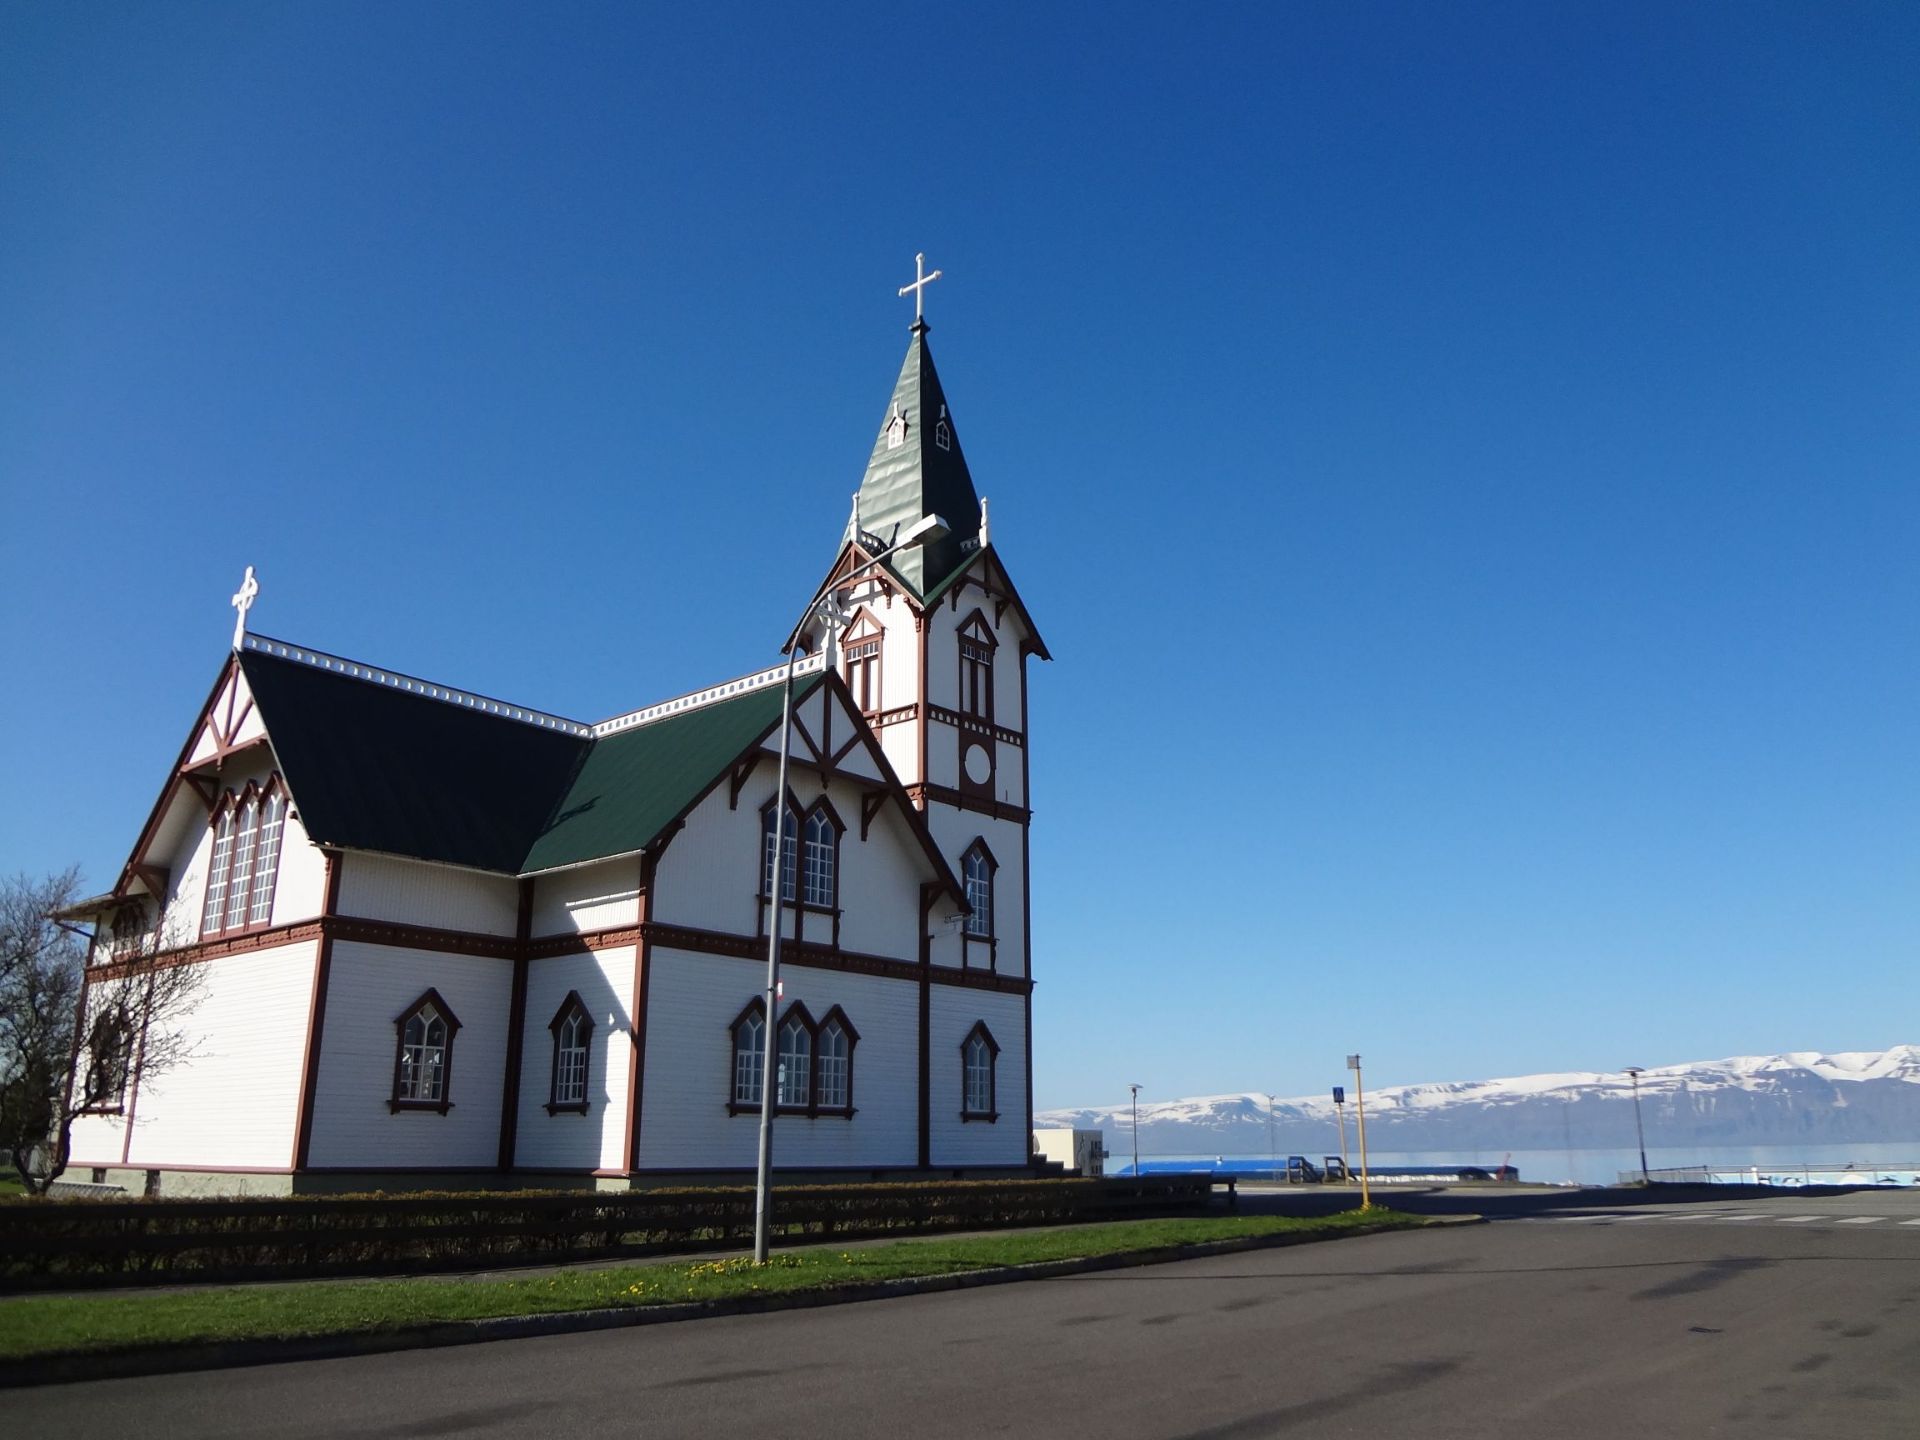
column 1774, row 1318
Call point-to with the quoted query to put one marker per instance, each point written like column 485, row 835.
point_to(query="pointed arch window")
column 796, row 1059
column 572, row 1029
column 790, row 845
column 833, row 1064
column 977, row 644
column 822, row 869
column 979, row 1057
column 423, row 1059
column 976, row 872
column 109, row 1059
column 244, row 866
column 749, row 1031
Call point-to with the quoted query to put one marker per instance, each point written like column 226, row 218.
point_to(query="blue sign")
column 1339, row 1094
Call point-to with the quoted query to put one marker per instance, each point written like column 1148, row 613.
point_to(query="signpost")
column 1360, row 1115
column 1340, row 1110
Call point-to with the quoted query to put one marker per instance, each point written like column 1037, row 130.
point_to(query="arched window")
column 977, row 645
column 976, row 872
column 215, row 912
column 978, row 1053
column 246, row 832
column 423, row 1064
column 572, row 1031
column 796, row 1059
column 109, row 1057
column 245, row 862
column 790, row 844
column 266, row 860
column 823, row 853
column 129, row 929
column 749, row 1055
column 833, row 1063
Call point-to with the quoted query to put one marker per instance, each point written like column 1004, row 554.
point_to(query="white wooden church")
column 452, row 941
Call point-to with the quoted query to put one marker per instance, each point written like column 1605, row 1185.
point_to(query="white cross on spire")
column 243, row 601
column 918, row 288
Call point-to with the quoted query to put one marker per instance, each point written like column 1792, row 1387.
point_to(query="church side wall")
column 590, row 897
column 376, row 887
column 368, row 988
column 234, row 1103
column 597, row 1139
column 954, row 831
column 692, row 1001
column 977, row 1142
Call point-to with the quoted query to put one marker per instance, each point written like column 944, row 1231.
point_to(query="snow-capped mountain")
column 1805, row 1097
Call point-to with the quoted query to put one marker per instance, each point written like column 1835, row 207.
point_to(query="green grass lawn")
column 35, row 1325
column 11, row 1183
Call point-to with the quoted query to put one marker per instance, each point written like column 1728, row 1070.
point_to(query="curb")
column 63, row 1367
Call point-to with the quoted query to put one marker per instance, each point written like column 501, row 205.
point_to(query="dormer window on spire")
column 897, row 428
column 943, row 432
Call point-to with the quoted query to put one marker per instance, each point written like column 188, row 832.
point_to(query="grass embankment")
column 11, row 1183
column 35, row 1325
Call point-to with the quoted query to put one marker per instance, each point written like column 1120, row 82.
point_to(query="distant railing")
column 1778, row 1176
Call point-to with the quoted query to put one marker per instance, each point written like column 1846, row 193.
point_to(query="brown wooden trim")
column 821, row 957
column 516, row 1030
column 423, row 937
column 637, row 1008
column 959, row 800
column 976, row 724
column 316, row 1016
column 569, row 1007
column 898, row 715
column 160, row 806
column 992, row 1112
column 871, row 804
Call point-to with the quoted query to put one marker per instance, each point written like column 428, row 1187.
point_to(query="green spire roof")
column 917, row 470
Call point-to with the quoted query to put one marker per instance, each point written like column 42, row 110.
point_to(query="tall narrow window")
column 216, row 908
column 572, row 1031
column 823, row 845
column 977, row 868
column 978, row 1052
column 423, row 1067
column 796, row 1059
column 246, row 833
column 976, row 667
column 266, row 859
column 749, row 1054
column 863, row 674
column 833, row 1063
column 109, row 1057
column 790, row 843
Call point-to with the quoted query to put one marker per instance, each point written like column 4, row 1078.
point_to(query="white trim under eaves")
column 725, row 690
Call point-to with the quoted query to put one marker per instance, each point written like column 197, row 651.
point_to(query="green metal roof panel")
column 373, row 767
column 923, row 474
column 637, row 782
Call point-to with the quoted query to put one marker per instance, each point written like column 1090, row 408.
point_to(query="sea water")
column 1594, row 1167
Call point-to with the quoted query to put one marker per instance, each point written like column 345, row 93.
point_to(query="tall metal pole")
column 1136, row 1130
column 763, row 1190
column 1360, row 1115
column 1273, row 1155
column 1340, row 1112
column 1639, row 1129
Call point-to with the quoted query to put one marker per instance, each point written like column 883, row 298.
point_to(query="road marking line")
column 1625, row 1218
column 1910, row 1222
column 1729, row 1219
column 1800, row 1219
column 1861, row 1220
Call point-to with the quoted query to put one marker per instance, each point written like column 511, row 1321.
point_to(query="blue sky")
column 1462, row 458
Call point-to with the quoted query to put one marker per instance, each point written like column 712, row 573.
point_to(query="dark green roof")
column 376, row 767
column 920, row 476
column 635, row 783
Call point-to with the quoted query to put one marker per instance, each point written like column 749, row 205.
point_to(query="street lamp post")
column 1136, row 1130
column 928, row 529
column 1273, row 1155
column 1360, row 1116
column 1635, row 1072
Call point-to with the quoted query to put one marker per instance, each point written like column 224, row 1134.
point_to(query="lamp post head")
column 924, row 531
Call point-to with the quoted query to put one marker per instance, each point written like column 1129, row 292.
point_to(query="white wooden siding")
column 367, row 989
column 301, row 891
column 377, row 887
column 976, row 1142
column 592, row 897
column 597, row 1139
column 954, row 831
column 235, row 1102
column 691, row 1002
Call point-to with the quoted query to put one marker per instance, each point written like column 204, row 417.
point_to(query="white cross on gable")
column 243, row 601
column 918, row 289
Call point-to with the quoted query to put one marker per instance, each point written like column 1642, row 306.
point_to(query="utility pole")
column 1136, row 1130
column 1273, row 1155
column 1635, row 1071
column 1360, row 1115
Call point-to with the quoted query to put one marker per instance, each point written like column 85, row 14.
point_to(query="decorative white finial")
column 853, row 520
column 919, row 288
column 243, row 601
column 983, row 521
